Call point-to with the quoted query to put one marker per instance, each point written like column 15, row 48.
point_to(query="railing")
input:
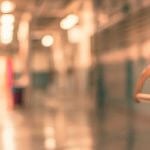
column 139, row 96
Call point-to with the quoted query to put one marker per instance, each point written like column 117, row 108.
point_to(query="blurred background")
column 68, row 70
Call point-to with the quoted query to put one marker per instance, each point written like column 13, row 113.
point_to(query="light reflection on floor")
column 55, row 124
column 45, row 127
column 8, row 135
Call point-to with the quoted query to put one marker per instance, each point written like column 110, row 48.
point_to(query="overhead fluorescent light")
column 47, row 41
column 69, row 22
column 7, row 7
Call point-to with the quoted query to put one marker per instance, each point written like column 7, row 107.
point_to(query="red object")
column 9, row 73
column 9, row 83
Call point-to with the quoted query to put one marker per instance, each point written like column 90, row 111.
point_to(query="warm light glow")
column 8, row 134
column 23, row 36
column 50, row 143
column 69, row 22
column 7, row 27
column 7, row 7
column 6, row 34
column 7, row 19
column 47, row 41
column 74, row 35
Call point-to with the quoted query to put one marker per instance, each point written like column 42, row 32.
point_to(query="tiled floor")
column 71, row 122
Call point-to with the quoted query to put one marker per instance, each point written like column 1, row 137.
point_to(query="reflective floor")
column 71, row 121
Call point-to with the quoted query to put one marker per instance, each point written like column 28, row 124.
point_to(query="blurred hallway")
column 68, row 73
column 58, row 121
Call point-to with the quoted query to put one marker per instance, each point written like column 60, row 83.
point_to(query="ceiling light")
column 7, row 27
column 7, row 19
column 47, row 41
column 7, row 6
column 69, row 22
